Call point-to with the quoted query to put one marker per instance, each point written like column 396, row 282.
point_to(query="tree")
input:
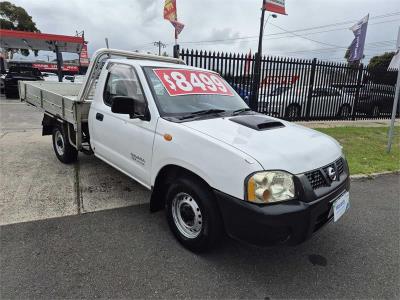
column 378, row 66
column 16, row 18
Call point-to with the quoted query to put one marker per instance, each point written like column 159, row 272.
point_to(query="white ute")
column 211, row 162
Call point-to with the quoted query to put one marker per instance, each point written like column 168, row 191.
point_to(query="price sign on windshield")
column 180, row 82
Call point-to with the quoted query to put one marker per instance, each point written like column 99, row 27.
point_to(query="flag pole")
column 257, row 63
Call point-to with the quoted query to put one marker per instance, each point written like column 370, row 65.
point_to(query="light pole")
column 257, row 60
column 274, row 16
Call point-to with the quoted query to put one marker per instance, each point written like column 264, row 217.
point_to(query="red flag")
column 170, row 10
column 276, row 6
column 170, row 14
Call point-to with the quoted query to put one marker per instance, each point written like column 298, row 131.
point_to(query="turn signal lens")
column 167, row 137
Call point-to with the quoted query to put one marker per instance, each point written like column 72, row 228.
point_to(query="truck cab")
column 214, row 165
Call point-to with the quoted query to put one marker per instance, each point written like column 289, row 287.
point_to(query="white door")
column 121, row 141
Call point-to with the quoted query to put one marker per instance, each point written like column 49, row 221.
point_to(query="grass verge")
column 365, row 148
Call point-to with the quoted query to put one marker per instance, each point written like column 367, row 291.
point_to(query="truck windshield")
column 180, row 92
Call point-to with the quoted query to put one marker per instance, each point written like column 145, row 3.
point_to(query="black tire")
column 293, row 112
column 10, row 94
column 64, row 151
column 345, row 111
column 375, row 112
column 203, row 213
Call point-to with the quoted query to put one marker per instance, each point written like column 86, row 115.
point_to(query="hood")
column 291, row 147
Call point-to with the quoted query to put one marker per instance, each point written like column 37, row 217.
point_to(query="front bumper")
column 291, row 222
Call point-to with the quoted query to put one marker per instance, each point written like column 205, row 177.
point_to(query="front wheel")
column 193, row 215
column 64, row 151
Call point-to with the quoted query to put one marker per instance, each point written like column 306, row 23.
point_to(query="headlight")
column 269, row 187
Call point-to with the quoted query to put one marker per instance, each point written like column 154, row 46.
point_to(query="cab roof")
column 153, row 63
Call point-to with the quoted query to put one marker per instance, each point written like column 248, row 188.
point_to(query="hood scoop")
column 258, row 123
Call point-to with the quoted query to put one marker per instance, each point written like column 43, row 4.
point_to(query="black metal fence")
column 301, row 89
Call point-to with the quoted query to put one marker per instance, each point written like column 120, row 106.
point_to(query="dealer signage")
column 180, row 82
column 53, row 67
column 276, row 6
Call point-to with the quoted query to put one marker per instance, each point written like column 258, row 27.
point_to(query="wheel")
column 345, row 111
column 65, row 152
column 10, row 94
column 375, row 111
column 293, row 112
column 193, row 215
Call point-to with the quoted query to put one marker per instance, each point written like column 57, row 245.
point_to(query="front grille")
column 318, row 180
column 340, row 165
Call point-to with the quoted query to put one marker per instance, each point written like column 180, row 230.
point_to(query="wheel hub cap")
column 59, row 141
column 187, row 215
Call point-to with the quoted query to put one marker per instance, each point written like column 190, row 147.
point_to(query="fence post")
column 176, row 51
column 311, row 88
column 255, row 82
column 357, row 95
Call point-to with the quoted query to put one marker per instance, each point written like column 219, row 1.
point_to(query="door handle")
column 99, row 116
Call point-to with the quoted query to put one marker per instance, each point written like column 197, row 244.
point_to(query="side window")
column 334, row 92
column 122, row 81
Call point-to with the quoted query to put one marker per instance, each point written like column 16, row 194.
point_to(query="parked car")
column 375, row 100
column 2, row 85
column 15, row 74
column 69, row 78
column 244, row 91
column 79, row 78
column 291, row 102
column 214, row 165
column 49, row 76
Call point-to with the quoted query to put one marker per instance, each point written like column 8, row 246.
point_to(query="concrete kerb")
column 372, row 175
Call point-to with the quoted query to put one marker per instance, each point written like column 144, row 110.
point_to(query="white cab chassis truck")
column 214, row 165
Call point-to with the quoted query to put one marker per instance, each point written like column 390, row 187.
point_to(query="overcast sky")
column 136, row 24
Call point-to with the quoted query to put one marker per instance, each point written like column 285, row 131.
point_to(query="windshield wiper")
column 239, row 111
column 201, row 113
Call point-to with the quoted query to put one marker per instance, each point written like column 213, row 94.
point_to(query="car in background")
column 49, row 76
column 2, row 76
column 244, row 91
column 17, row 73
column 79, row 78
column 375, row 100
column 291, row 102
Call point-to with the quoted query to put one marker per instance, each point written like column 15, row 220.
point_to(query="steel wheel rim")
column 59, row 143
column 187, row 215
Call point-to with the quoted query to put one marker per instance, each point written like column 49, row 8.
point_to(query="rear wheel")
column 64, row 151
column 293, row 112
column 193, row 214
column 375, row 111
column 345, row 111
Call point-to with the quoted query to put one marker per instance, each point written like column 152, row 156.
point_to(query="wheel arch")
column 165, row 176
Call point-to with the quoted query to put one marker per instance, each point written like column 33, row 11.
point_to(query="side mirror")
column 126, row 105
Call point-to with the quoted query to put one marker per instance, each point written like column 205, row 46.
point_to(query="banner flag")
column 170, row 14
column 357, row 46
column 395, row 63
column 276, row 6
column 170, row 10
